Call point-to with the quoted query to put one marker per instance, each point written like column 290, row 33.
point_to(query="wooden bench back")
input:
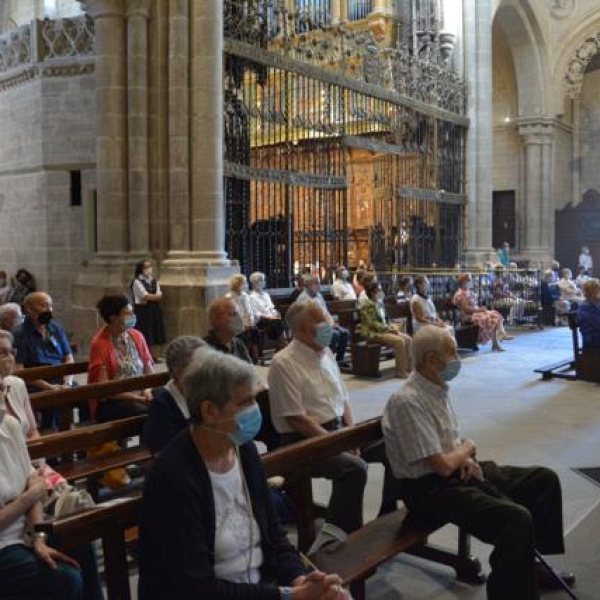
column 52, row 371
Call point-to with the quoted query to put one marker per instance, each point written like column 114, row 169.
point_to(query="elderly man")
column 342, row 288
column 168, row 412
column 517, row 509
column 268, row 317
column 308, row 398
column 10, row 316
column 339, row 337
column 42, row 341
column 226, row 324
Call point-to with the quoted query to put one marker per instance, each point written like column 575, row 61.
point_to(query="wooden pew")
column 355, row 559
column 52, row 371
column 64, row 399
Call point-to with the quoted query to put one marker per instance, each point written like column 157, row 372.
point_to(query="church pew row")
column 52, row 371
column 355, row 560
column 65, row 399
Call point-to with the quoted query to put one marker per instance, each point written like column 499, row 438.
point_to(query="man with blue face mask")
column 308, row 398
column 517, row 509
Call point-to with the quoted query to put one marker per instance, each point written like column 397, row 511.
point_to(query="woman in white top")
column 238, row 292
column 585, row 260
column 570, row 294
column 29, row 568
column 147, row 297
column 266, row 315
column 422, row 307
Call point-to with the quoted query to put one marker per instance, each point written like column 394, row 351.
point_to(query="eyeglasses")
column 4, row 388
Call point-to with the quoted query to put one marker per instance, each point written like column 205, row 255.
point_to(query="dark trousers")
column 516, row 509
column 339, row 342
column 112, row 410
column 25, row 577
column 348, row 475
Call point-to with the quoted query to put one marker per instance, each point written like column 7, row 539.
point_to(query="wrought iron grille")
column 334, row 151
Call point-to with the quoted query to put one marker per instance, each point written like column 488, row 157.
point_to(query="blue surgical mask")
column 249, row 422
column 130, row 322
column 451, row 370
column 323, row 334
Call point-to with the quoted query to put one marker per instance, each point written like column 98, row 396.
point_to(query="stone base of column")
column 106, row 273
column 477, row 257
column 189, row 285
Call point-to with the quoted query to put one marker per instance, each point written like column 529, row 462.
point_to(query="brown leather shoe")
column 547, row 582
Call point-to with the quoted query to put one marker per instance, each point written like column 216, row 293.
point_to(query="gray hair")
column 7, row 335
column 308, row 278
column 6, row 310
column 429, row 338
column 256, row 276
column 179, row 352
column 298, row 311
column 214, row 376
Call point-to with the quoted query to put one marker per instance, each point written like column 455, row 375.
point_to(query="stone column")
column 538, row 229
column 178, row 123
column 111, row 166
column 336, row 11
column 576, row 170
column 137, row 14
column 478, row 72
column 207, row 213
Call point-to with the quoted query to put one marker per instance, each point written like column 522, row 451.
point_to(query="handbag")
column 70, row 499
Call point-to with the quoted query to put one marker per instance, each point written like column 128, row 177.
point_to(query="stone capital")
column 98, row 9
column 138, row 8
column 537, row 131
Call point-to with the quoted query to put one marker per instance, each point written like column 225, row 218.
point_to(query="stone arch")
column 527, row 45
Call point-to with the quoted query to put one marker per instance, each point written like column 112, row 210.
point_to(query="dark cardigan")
column 177, row 530
column 165, row 420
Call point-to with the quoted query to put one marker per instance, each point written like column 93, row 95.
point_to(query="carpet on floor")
column 591, row 473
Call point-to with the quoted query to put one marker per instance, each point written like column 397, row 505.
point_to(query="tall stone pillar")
column 576, row 137
column 137, row 15
column 196, row 269
column 111, row 161
column 478, row 73
column 336, row 11
column 537, row 230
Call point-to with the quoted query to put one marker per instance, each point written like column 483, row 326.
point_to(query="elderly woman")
column 28, row 568
column 422, row 307
column 168, row 413
column 375, row 325
column 207, row 523
column 588, row 314
column 267, row 316
column 570, row 294
column 491, row 322
column 118, row 351
column 11, row 316
column 18, row 406
column 238, row 292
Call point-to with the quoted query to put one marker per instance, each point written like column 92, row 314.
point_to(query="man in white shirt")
column 308, row 398
column 517, row 509
column 342, row 289
column 339, row 338
column 267, row 316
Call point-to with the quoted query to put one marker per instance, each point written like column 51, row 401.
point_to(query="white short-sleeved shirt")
column 233, row 518
column 427, row 308
column 586, row 261
column 262, row 304
column 305, row 382
column 18, row 399
column 140, row 293
column 15, row 468
column 343, row 290
column 417, row 423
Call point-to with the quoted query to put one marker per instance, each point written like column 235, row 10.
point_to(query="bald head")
column 38, row 307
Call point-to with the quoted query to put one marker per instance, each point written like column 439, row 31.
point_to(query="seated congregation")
column 208, row 517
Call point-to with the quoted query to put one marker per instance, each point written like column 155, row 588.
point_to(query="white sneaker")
column 329, row 533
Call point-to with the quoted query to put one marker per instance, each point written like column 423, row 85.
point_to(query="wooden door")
column 503, row 218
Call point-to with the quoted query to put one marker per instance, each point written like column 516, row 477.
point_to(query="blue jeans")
column 25, row 577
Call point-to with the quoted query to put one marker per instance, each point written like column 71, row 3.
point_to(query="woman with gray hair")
column 168, row 412
column 208, row 526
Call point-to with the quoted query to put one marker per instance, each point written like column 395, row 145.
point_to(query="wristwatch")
column 40, row 535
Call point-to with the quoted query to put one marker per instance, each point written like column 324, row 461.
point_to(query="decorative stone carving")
column 576, row 69
column 561, row 9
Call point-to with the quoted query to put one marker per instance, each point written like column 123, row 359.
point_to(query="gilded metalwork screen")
column 341, row 144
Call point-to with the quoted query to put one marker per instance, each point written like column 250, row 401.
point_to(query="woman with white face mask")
column 238, row 292
column 375, row 325
column 207, row 520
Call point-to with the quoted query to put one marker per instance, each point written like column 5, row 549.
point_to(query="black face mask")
column 45, row 317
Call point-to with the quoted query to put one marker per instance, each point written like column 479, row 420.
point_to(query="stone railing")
column 47, row 40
